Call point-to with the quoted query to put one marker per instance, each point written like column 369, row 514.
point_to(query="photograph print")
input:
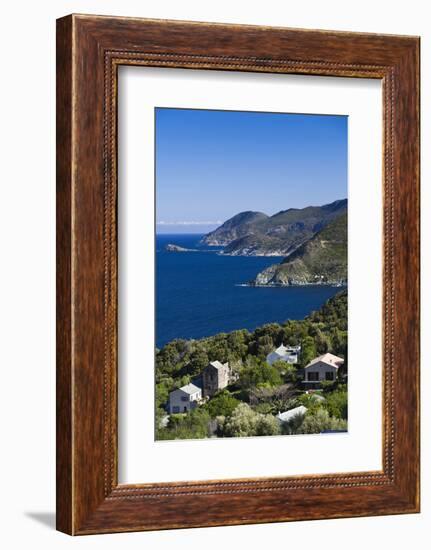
column 251, row 274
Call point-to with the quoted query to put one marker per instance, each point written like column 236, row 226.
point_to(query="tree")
column 162, row 393
column 198, row 361
column 260, row 374
column 267, row 425
column 318, row 421
column 328, row 385
column 308, row 350
column 241, row 423
column 323, row 342
column 238, row 344
column 245, row 422
column 339, row 341
column 265, row 345
column 222, row 404
column 336, row 403
column 192, row 425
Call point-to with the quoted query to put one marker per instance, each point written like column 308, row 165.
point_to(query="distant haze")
column 211, row 165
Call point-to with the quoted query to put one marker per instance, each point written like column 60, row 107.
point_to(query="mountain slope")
column 240, row 225
column 256, row 234
column 321, row 260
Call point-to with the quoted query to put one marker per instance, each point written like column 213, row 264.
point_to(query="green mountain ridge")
column 256, row 234
column 320, row 260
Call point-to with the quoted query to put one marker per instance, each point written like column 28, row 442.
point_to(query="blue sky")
column 211, row 165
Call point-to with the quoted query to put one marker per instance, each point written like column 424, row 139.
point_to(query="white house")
column 184, row 399
column 289, row 354
column 324, row 367
column 289, row 415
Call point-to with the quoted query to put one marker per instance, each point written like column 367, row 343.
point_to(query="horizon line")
column 165, row 223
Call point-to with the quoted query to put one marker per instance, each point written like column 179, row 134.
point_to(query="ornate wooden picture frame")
column 89, row 51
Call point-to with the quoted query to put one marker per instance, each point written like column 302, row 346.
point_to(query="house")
column 184, row 399
column 215, row 376
column 289, row 354
column 322, row 368
column 287, row 416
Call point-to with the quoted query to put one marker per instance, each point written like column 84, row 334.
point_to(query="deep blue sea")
column 198, row 293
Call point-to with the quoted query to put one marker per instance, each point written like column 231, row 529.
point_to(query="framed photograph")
column 237, row 274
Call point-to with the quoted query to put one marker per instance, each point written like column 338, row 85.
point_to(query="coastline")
column 281, row 285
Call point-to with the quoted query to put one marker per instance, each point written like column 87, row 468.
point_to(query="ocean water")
column 199, row 294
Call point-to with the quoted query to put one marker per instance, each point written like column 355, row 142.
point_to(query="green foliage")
column 318, row 420
column 322, row 341
column 160, row 416
column 245, row 422
column 192, row 425
column 264, row 408
column 222, row 404
column 267, row 389
column 324, row 330
column 260, row 375
column 308, row 351
column 198, row 361
column 162, row 392
column 336, row 403
column 293, row 426
column 241, row 423
column 333, row 313
column 310, row 402
column 321, row 259
column 265, row 345
column 256, row 230
column 328, row 385
column 267, row 424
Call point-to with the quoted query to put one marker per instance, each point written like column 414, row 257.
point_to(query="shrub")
column 241, row 423
column 245, row 422
column 260, row 375
column 318, row 421
column 267, row 425
column 293, row 425
column 336, row 403
column 222, row 404
column 192, row 425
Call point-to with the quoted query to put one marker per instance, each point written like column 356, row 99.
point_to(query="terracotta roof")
column 327, row 358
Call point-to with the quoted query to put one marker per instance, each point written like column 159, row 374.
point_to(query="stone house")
column 215, row 376
column 184, row 399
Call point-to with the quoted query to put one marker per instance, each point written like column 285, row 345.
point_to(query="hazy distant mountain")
column 256, row 234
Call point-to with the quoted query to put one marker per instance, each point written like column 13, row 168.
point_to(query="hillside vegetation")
column 248, row 406
column 256, row 234
column 321, row 260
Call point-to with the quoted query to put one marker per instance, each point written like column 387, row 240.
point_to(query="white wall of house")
column 181, row 401
column 324, row 372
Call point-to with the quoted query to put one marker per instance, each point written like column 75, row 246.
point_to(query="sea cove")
column 202, row 293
